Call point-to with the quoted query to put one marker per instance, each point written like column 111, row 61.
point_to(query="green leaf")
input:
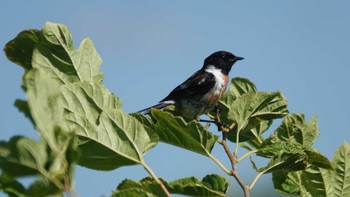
column 104, row 131
column 294, row 129
column 176, row 131
column 64, row 92
column 309, row 182
column 254, row 135
column 341, row 173
column 132, row 192
column 316, row 181
column 88, row 100
column 147, row 186
column 286, row 183
column 56, row 56
column 316, row 159
column 46, row 105
column 245, row 109
column 22, row 156
column 23, row 107
column 249, row 110
column 295, row 135
column 261, row 105
column 43, row 187
column 216, row 182
column 312, row 183
column 211, row 185
column 51, row 50
column 191, row 186
column 69, row 107
column 118, row 140
column 20, row 49
column 286, row 161
column 11, row 187
column 237, row 88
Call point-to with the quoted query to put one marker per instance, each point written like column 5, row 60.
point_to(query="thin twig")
column 261, row 173
column 246, row 155
column 227, row 171
column 149, row 170
column 237, row 142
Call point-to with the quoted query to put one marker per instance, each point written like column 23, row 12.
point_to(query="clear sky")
column 148, row 47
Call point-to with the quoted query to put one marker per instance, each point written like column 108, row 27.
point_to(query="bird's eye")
column 223, row 56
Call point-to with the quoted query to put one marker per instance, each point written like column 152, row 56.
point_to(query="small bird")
column 201, row 92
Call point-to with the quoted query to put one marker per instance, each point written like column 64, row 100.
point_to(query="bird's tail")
column 160, row 105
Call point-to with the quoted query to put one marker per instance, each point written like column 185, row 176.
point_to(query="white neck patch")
column 220, row 83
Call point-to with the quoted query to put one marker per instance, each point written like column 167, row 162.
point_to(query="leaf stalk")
column 153, row 175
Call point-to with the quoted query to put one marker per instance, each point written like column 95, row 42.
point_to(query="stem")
column 233, row 160
column 237, row 143
column 228, row 172
column 232, row 157
column 148, row 169
column 256, row 179
column 246, row 155
column 261, row 173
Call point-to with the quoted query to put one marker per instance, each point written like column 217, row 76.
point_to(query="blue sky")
column 300, row 48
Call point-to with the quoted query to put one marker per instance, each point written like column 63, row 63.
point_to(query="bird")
column 201, row 91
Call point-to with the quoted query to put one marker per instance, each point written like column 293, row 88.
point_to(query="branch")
column 232, row 157
column 233, row 160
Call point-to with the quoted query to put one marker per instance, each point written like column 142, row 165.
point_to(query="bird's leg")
column 221, row 125
column 217, row 120
column 208, row 121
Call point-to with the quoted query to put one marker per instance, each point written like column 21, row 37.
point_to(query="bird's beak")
column 239, row 58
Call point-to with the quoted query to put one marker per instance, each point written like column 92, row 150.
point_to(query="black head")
column 222, row 60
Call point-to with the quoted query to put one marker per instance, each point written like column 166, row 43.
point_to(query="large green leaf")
column 315, row 181
column 211, row 185
column 249, row 111
column 64, row 91
column 245, row 109
column 45, row 104
column 294, row 129
column 105, row 132
column 289, row 149
column 54, row 156
column 56, row 56
column 287, row 161
column 237, row 88
column 262, row 105
column 309, row 182
column 176, row 131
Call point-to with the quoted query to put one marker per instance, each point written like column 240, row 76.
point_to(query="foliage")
column 80, row 122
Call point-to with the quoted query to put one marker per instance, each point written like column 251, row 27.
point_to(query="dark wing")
column 198, row 84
